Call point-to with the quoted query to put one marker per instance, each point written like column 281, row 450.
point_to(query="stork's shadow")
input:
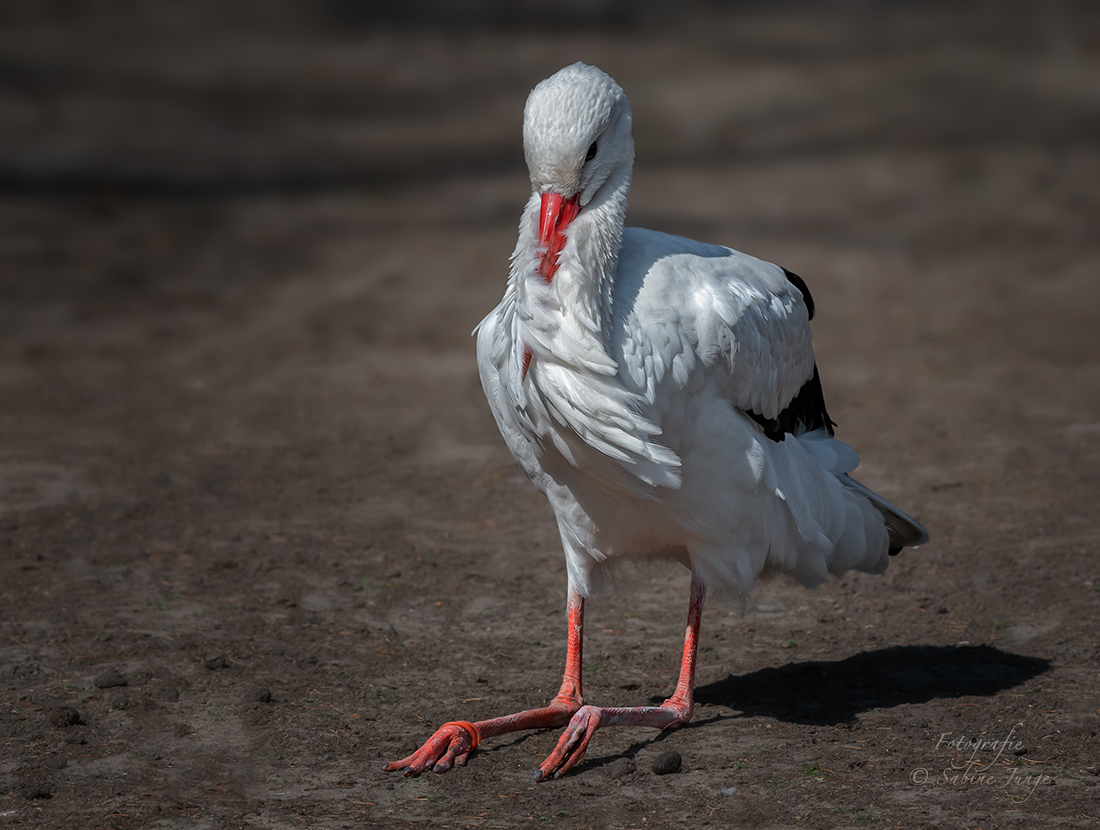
column 833, row 692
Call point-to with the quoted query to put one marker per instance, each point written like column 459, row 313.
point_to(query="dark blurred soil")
column 258, row 532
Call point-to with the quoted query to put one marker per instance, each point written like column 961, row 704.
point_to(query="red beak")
column 554, row 218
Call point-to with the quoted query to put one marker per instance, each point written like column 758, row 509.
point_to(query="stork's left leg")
column 453, row 742
column 674, row 712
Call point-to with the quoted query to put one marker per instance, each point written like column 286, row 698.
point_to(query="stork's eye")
column 591, row 154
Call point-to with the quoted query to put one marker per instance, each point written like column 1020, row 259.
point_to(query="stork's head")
column 576, row 139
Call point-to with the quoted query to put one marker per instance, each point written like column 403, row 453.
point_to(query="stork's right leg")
column 453, row 742
column 674, row 712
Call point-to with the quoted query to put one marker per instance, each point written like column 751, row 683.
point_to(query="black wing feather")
column 806, row 411
column 800, row 284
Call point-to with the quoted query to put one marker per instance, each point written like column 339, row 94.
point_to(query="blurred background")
column 163, row 98
column 242, row 248
column 197, row 196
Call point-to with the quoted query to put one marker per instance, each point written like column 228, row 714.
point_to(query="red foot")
column 573, row 742
column 452, row 743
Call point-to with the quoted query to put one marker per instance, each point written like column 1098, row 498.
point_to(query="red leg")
column 674, row 712
column 453, row 742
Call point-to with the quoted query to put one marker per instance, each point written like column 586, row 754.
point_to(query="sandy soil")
column 259, row 533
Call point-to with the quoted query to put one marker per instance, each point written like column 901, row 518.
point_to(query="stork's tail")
column 840, row 459
column 904, row 530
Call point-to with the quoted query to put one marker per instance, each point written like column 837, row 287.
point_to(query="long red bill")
column 556, row 214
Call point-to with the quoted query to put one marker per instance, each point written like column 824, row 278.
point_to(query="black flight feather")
column 800, row 284
column 806, row 411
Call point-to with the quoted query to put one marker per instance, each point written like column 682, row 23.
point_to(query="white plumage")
column 646, row 352
column 663, row 394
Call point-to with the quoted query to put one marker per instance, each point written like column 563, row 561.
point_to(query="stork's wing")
column 747, row 320
column 806, row 411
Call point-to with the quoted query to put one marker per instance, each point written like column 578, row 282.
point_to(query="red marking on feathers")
column 527, row 355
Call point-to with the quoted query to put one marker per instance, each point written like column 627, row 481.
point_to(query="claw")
column 451, row 742
column 572, row 744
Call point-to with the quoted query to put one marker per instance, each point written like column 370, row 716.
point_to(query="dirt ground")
column 259, row 533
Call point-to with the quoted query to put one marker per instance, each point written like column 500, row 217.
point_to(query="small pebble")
column 667, row 762
column 262, row 696
column 110, row 679
column 729, row 791
column 66, row 716
column 215, row 661
column 36, row 790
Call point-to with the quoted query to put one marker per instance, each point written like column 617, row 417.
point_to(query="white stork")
column 663, row 394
